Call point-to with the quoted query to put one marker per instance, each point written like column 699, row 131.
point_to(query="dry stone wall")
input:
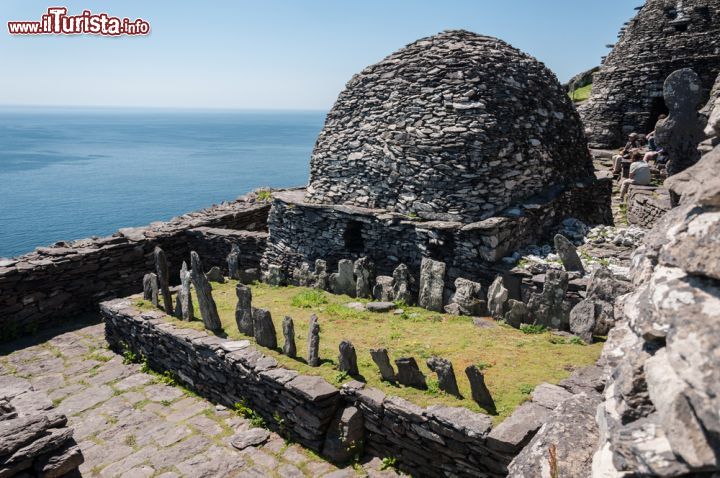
column 457, row 126
column 665, row 36
column 67, row 279
column 646, row 205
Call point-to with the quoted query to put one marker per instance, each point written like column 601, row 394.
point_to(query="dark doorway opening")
column 353, row 238
column 657, row 108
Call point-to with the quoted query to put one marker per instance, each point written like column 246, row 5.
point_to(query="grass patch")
column 309, row 298
column 581, row 94
column 531, row 329
column 507, row 356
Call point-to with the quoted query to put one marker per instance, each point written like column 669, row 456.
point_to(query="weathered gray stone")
column 409, row 374
column 275, row 276
column 550, row 308
column 289, row 348
column 208, row 308
column 582, row 320
column 550, row 396
column 681, row 132
column 446, row 375
column 264, row 328
column 347, row 360
column 518, row 429
column 243, row 310
column 379, row 306
column 364, row 271
column 313, row 357
column 383, row 290
column 320, row 277
column 478, row 389
column 302, row 276
column 467, row 297
column 517, row 313
column 163, row 276
column 187, row 310
column 250, row 437
column 497, row 298
column 343, row 282
column 604, row 286
column 568, row 254
column 215, row 275
column 382, row 360
column 401, row 285
column 151, row 289
column 345, row 436
column 233, row 262
column 432, row 285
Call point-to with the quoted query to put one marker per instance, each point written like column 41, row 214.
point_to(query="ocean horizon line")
column 149, row 109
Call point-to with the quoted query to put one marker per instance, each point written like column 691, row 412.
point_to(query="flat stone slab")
column 251, row 437
column 380, row 306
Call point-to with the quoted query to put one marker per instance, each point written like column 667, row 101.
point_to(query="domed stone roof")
column 457, row 126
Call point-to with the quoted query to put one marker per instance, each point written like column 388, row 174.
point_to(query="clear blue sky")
column 280, row 54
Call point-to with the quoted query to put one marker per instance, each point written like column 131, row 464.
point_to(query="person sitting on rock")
column 632, row 145
column 640, row 174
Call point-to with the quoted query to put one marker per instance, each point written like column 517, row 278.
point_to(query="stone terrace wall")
column 66, row 279
column 301, row 232
column 646, row 205
column 214, row 245
column 428, row 442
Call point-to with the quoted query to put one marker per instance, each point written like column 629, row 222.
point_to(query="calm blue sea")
column 72, row 173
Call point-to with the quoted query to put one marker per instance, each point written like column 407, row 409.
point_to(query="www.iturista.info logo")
column 57, row 22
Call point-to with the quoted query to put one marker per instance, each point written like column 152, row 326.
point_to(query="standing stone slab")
column 151, row 289
column 243, row 310
column 313, row 358
column 681, row 132
column 343, row 282
column 401, row 285
column 274, row 276
column 550, row 308
column 582, row 320
column 382, row 360
column 163, row 275
column 215, row 275
column 446, row 375
column 568, row 254
column 183, row 300
column 208, row 308
column 320, row 277
column 517, row 314
column 364, row 271
column 467, row 298
column 301, row 276
column 409, row 373
column 497, row 298
column 432, row 285
column 383, row 290
column 347, row 360
column 233, row 262
column 289, row 348
column 264, row 328
column 478, row 389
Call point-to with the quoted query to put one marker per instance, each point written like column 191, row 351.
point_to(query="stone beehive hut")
column 665, row 36
column 457, row 126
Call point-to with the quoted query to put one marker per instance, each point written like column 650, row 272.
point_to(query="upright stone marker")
column 151, row 289
column 233, row 262
column 343, row 282
column 382, row 360
column 163, row 274
column 568, row 254
column 347, row 360
column 364, row 271
column 185, row 294
column 302, row 277
column 446, row 375
column 550, row 308
column 264, row 328
column 243, row 310
column 479, row 390
column 432, row 285
column 208, row 309
column 409, row 373
column 274, row 276
column 313, row 358
column 289, row 348
column 497, row 298
column 401, row 285
column 383, row 290
column 320, row 276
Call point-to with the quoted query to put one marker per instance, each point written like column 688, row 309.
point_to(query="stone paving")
column 131, row 424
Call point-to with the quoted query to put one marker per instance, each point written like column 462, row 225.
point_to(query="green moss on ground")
column 581, row 94
column 514, row 362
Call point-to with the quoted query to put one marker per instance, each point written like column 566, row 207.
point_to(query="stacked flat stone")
column 666, row 35
column 456, row 126
column 35, row 440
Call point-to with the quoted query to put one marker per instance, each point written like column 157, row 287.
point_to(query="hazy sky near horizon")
column 273, row 54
